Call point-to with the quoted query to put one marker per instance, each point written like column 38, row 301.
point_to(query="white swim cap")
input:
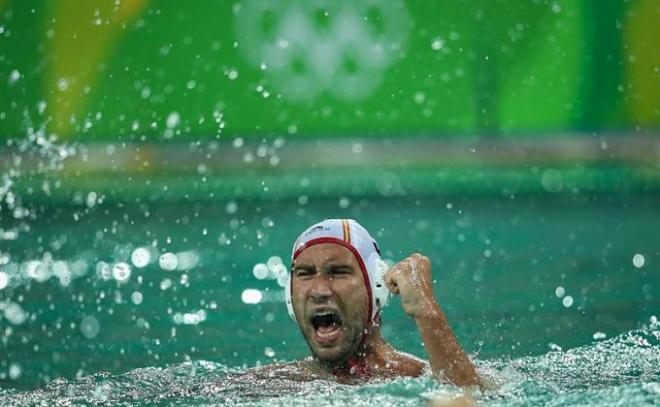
column 354, row 237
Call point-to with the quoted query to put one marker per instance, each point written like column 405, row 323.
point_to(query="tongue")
column 327, row 329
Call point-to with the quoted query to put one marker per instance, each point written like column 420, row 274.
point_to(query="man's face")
column 329, row 299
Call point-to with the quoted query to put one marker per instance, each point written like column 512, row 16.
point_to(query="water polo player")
column 338, row 286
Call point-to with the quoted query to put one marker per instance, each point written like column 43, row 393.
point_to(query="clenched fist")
column 411, row 279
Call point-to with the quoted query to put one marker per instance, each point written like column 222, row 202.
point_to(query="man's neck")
column 370, row 356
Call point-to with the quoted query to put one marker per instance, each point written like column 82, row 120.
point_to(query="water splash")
column 36, row 155
column 624, row 370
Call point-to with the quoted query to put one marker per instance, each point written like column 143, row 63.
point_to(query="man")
column 337, row 288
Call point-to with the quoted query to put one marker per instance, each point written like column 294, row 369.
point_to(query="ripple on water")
column 624, row 370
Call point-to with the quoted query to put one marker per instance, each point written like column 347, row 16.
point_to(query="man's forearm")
column 445, row 354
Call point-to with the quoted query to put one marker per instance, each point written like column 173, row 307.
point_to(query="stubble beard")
column 347, row 348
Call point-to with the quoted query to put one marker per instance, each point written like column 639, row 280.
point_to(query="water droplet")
column 15, row 371
column 14, row 76
column 437, row 44
column 599, row 335
column 555, row 347
column 189, row 318
column 251, row 296
column 231, row 207
column 90, row 327
column 15, row 314
column 274, row 262
column 62, row 84
column 223, row 240
column 103, row 270
column 37, row 271
column 260, row 271
column 283, row 279
column 165, row 284
column 140, row 257
column 168, row 261
column 552, row 180
column 173, row 120
column 91, row 199
column 268, row 351
column 232, row 74
column 560, row 292
column 187, row 260
column 4, row 280
column 121, row 272
column 420, row 97
column 136, row 298
column 41, row 106
column 638, row 260
column 567, row 301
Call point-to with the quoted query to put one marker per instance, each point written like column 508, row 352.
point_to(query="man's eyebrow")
column 304, row 267
column 331, row 263
column 339, row 263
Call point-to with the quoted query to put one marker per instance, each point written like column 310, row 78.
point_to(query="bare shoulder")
column 404, row 364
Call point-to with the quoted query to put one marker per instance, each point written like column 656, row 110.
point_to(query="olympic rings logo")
column 311, row 47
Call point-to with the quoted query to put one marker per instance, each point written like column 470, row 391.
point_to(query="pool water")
column 617, row 371
column 555, row 296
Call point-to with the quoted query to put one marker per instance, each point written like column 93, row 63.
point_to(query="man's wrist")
column 430, row 311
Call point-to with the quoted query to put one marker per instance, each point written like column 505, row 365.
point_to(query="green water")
column 504, row 270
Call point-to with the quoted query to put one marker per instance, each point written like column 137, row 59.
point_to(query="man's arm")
column 411, row 278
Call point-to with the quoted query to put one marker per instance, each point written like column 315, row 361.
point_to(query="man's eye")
column 303, row 272
column 340, row 271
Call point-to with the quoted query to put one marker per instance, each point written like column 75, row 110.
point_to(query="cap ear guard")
column 287, row 296
column 380, row 292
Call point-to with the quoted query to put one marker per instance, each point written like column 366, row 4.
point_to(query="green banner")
column 153, row 70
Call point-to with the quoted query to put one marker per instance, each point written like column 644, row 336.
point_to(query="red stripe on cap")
column 353, row 250
column 347, row 230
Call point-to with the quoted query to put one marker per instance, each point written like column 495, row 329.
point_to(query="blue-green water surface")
column 556, row 298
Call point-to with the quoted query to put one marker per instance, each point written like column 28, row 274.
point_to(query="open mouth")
column 327, row 326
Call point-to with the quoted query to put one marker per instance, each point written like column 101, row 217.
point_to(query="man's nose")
column 321, row 290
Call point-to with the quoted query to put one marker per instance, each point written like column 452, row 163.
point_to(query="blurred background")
column 157, row 160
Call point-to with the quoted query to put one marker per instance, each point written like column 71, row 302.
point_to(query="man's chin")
column 329, row 352
column 330, row 355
